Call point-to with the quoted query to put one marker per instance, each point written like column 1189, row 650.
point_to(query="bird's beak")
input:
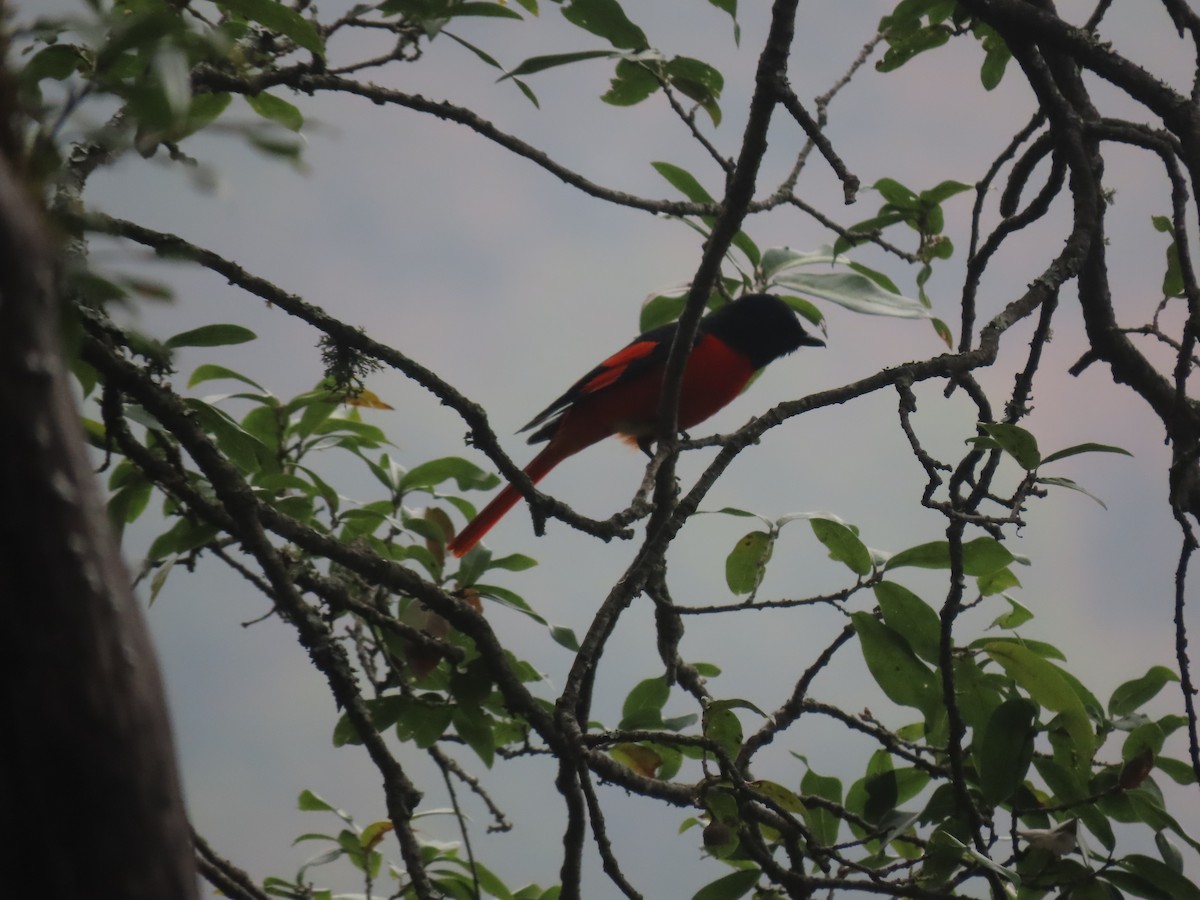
column 810, row 341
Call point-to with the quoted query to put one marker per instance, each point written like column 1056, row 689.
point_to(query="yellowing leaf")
column 374, row 833
column 367, row 399
column 641, row 759
column 780, row 795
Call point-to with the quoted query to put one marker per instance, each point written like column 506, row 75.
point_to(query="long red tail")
column 487, row 517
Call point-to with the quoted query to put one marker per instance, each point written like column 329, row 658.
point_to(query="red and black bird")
column 621, row 395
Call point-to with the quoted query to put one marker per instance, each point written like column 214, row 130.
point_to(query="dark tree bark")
column 90, row 801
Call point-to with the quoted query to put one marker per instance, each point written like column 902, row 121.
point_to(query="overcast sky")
column 510, row 284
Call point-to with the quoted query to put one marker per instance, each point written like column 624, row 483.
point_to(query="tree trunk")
column 90, row 802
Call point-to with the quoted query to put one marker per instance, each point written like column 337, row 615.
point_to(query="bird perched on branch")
column 621, row 395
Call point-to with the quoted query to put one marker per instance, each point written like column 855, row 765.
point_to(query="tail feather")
column 487, row 517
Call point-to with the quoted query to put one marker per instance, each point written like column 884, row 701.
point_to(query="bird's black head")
column 759, row 326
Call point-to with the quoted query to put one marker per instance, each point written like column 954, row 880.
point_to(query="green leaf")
column 606, row 19
column 509, row 598
column 262, row 423
column 902, row 49
column 896, row 194
column 729, row 887
column 1172, row 283
column 1162, row 876
column 1091, row 705
column 632, row 83
column 1071, row 485
column 423, row 721
column 776, row 259
column 697, row 81
column 747, row 561
column 739, row 513
column 128, row 503
column 471, row 684
column 979, row 692
column 875, row 795
column 276, row 110
column 491, row 884
column 94, row 433
column 1069, row 788
column 780, row 796
column 180, row 539
column 878, row 277
column 565, row 637
column 981, row 556
column 1016, row 442
column 942, row 330
column 685, row 68
column 862, row 231
column 277, row 17
column 552, row 60
column 821, row 822
column 473, row 565
column 1084, row 448
column 643, row 705
column 1045, row 683
column 896, row 669
column 912, row 618
column 885, row 790
column 735, row 703
column 722, row 726
column 211, row 336
column 843, row 544
column 982, row 859
column 1178, row 771
column 1146, row 805
column 678, row 723
column 1131, row 695
column 659, row 309
column 1169, row 852
column 204, row 110
column 997, row 583
column 742, row 241
column 854, row 292
column 211, row 372
column 286, row 147
column 1041, row 679
column 1005, row 751
column 242, row 448
column 807, row 310
column 466, row 475
column 730, row 7
column 1147, row 737
column 384, row 711
column 475, row 727
column 683, row 181
column 170, row 67
column 491, row 61
column 350, row 431
column 57, row 62
column 484, row 10
column 1041, row 648
column 310, row 802
column 514, row 562
column 943, row 191
column 996, row 57
column 1017, row 615
column 943, row 857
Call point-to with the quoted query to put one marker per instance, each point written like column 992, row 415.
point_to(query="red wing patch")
column 614, row 367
